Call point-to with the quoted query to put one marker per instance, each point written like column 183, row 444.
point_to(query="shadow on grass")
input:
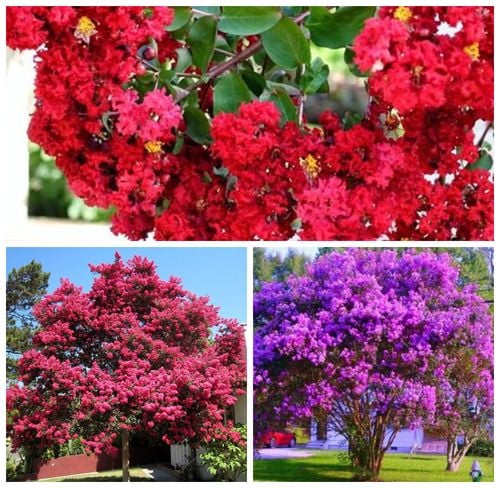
column 91, row 479
column 306, row 469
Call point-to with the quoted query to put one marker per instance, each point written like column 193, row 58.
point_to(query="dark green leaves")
column 485, row 161
column 338, row 29
column 229, row 92
column 197, row 125
column 201, row 38
column 286, row 45
column 243, row 21
column 285, row 105
column 181, row 18
column 315, row 77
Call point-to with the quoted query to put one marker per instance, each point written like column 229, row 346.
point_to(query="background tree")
column 272, row 266
column 371, row 339
column 25, row 287
column 135, row 354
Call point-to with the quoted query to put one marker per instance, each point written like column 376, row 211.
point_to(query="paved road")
column 284, row 453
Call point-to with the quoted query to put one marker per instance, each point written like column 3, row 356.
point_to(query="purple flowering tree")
column 373, row 341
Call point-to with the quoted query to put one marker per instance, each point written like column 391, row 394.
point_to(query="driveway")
column 158, row 472
column 284, row 453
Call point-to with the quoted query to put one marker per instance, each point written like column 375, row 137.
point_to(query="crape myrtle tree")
column 375, row 341
column 133, row 354
column 189, row 122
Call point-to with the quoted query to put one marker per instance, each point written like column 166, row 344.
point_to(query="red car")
column 275, row 438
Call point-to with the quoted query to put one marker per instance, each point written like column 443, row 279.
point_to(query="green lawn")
column 332, row 466
column 136, row 474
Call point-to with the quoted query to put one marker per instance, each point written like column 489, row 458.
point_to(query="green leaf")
column 206, row 178
column 290, row 89
column 184, row 59
column 286, row 44
column 223, row 172
column 485, row 161
column 296, row 225
column 231, row 183
column 201, row 38
column 229, row 92
column 314, row 77
column 179, row 143
column 209, row 10
column 351, row 119
column 107, row 122
column 244, row 21
column 166, row 75
column 197, row 125
column 291, row 11
column 287, row 108
column 338, row 29
column 181, row 18
column 254, row 81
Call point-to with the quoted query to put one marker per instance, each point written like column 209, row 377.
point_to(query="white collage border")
column 7, row 193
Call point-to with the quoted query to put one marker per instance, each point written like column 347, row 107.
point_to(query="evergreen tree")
column 25, row 287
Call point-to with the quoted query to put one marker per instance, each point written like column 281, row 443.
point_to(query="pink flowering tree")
column 135, row 354
column 374, row 342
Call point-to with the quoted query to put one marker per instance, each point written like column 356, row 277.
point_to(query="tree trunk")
column 454, row 455
column 367, row 448
column 126, row 455
column 367, row 460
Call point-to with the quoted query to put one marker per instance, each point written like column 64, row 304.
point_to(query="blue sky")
column 217, row 272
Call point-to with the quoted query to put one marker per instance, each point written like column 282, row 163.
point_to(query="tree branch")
column 230, row 63
column 484, row 134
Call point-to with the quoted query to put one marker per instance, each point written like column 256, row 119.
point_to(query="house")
column 323, row 436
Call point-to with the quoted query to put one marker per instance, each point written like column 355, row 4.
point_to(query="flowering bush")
column 134, row 354
column 375, row 342
column 226, row 459
column 189, row 122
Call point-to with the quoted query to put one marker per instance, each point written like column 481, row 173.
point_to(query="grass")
column 332, row 466
column 136, row 474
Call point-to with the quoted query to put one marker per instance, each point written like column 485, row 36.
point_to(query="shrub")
column 226, row 458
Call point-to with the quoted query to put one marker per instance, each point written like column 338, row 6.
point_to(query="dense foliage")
column 375, row 342
column 26, row 286
column 189, row 121
column 226, row 458
column 134, row 354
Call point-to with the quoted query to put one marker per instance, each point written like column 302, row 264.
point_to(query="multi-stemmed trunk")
column 366, row 436
column 367, row 453
column 126, row 455
column 456, row 454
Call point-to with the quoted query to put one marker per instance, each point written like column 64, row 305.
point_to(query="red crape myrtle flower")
column 404, row 172
column 134, row 353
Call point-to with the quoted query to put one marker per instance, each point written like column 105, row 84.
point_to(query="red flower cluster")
column 402, row 173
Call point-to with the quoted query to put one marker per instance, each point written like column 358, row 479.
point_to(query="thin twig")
column 223, row 51
column 237, row 59
column 188, row 75
column 152, row 66
column 302, row 98
column 484, row 134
